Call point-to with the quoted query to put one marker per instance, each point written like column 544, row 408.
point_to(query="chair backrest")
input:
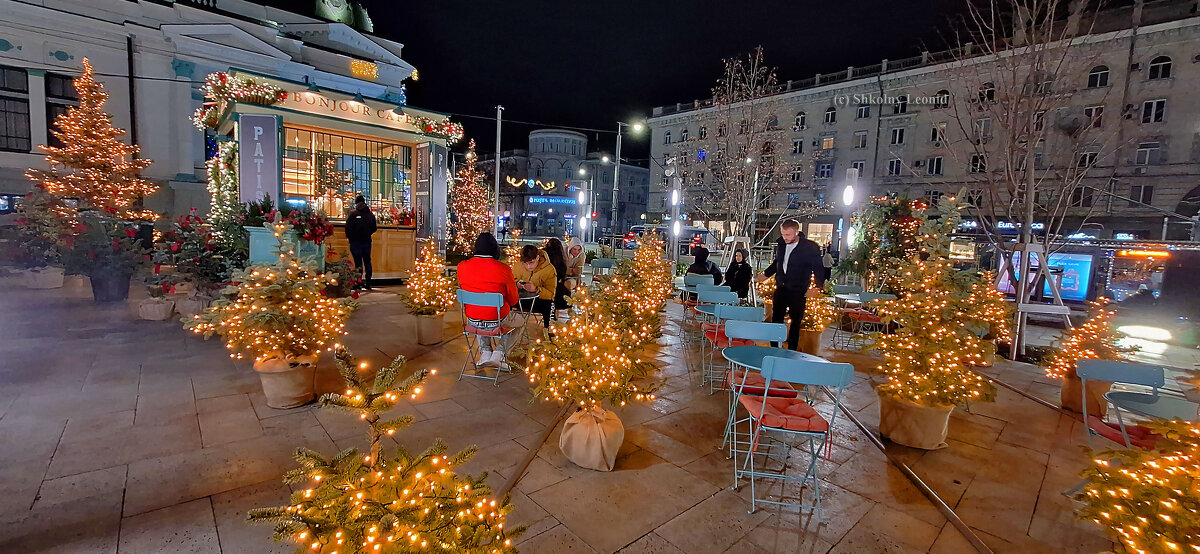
column 846, row 289
column 696, row 279
column 866, row 297
column 604, row 263
column 711, row 288
column 1121, row 372
column 756, row 330
column 740, row 313
column 807, row 372
column 482, row 299
column 717, row 297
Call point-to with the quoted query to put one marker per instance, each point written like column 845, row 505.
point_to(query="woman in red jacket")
column 484, row 272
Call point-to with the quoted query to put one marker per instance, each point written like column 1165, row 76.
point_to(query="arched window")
column 943, row 99
column 667, row 137
column 722, row 130
column 831, row 114
column 1098, row 76
column 901, row 105
column 987, row 92
column 1160, row 68
column 772, row 122
column 702, row 132
column 683, row 134
column 801, row 121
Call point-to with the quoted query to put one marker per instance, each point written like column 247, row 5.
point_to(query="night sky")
column 590, row 64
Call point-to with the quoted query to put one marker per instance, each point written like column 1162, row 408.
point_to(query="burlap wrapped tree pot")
column 77, row 286
column 1072, row 395
column 44, row 278
column 911, row 424
column 810, row 342
column 156, row 309
column 430, row 329
column 190, row 305
column 591, row 437
column 288, row 382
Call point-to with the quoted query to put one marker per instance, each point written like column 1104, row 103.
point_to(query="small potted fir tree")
column 42, row 232
column 819, row 312
column 1097, row 339
column 280, row 314
column 430, row 293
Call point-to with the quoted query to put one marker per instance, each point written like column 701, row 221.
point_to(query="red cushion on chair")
column 755, row 384
column 785, row 413
column 1139, row 437
column 713, row 326
column 493, row 332
column 864, row 316
column 722, row 341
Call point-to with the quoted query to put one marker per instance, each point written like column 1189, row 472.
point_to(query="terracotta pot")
column 1072, row 395
column 810, row 342
column 189, row 306
column 77, row 286
column 430, row 329
column 912, row 424
column 156, row 309
column 110, row 288
column 44, row 278
column 289, row 382
column 591, row 439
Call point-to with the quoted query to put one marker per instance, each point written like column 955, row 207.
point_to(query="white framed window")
column 937, row 132
column 943, row 99
column 1087, row 159
column 797, row 174
column 934, row 196
column 801, row 122
column 826, row 143
column 983, row 128
column 1160, row 68
column 1153, row 111
column 831, row 115
column 1039, row 121
column 860, row 139
column 978, row 163
column 860, row 165
column 987, row 93
column 1140, row 194
column 702, row 132
column 1098, row 77
column 974, row 198
column 667, row 137
column 864, row 111
column 933, row 166
column 683, row 134
column 901, row 105
column 897, row 135
column 1147, row 153
column 743, row 127
column 825, row 170
column 1095, row 115
column 798, row 146
column 722, row 130
column 895, row 166
column 1081, row 197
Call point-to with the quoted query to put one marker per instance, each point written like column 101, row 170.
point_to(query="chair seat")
column 793, row 414
column 493, row 332
column 712, row 326
column 1139, row 436
column 755, row 384
column 722, row 341
column 864, row 316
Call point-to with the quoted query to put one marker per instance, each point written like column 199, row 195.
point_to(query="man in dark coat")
column 360, row 225
column 796, row 262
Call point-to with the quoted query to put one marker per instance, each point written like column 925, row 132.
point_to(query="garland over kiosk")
column 304, row 145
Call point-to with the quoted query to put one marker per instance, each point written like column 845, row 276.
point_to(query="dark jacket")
column 360, row 224
column 739, row 274
column 803, row 265
column 704, row 267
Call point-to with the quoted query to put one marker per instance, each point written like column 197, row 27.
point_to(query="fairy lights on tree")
column 222, row 88
column 929, row 356
column 373, row 502
column 1096, row 339
column 94, row 165
column 225, row 205
column 429, row 290
column 279, row 310
column 334, row 184
column 819, row 313
column 471, row 202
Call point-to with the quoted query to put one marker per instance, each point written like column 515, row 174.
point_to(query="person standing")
column 484, row 272
column 827, row 261
column 797, row 261
column 360, row 225
column 739, row 274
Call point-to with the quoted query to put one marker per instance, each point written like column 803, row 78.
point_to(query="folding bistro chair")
column 1127, row 373
column 484, row 331
column 862, row 320
column 777, row 424
column 745, row 380
column 708, row 297
column 686, row 294
column 714, row 335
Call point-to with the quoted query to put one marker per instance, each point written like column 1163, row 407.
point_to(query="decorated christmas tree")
column 888, row 232
column 44, row 227
column 471, row 203
column 819, row 313
column 94, row 165
column 1096, row 339
column 278, row 310
column 429, row 290
column 928, row 358
column 637, row 291
column 512, row 250
column 375, row 502
column 223, row 187
column 1149, row 500
column 335, row 187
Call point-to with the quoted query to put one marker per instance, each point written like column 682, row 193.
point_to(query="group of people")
column 540, row 283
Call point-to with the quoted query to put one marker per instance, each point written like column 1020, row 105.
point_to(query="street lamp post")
column 584, row 205
column 848, row 199
column 637, row 128
column 496, row 199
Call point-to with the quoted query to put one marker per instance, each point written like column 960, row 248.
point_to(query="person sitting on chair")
column 536, row 274
column 484, row 272
column 702, row 266
column 739, row 274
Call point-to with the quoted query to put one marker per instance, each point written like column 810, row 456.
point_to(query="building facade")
column 343, row 87
column 556, row 185
column 1138, row 93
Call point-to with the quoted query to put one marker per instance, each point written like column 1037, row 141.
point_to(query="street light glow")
column 637, row 127
column 604, row 159
column 582, row 171
column 848, row 195
column 582, row 197
column 675, row 197
column 677, row 228
column 583, row 223
column 749, row 160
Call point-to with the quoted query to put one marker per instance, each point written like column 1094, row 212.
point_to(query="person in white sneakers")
column 484, row 272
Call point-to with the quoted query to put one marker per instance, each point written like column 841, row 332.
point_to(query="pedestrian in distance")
column 360, row 225
column 796, row 262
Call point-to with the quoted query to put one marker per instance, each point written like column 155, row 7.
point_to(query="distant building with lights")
column 541, row 188
column 1143, row 85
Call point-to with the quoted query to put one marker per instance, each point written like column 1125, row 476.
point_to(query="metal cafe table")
column 751, row 356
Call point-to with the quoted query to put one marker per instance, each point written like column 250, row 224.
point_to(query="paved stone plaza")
column 129, row 436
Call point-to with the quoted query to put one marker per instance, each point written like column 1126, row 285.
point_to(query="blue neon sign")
column 552, row 200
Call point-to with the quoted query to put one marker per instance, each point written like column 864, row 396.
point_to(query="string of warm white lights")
column 429, row 291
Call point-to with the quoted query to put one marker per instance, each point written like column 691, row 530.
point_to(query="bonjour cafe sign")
column 311, row 102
